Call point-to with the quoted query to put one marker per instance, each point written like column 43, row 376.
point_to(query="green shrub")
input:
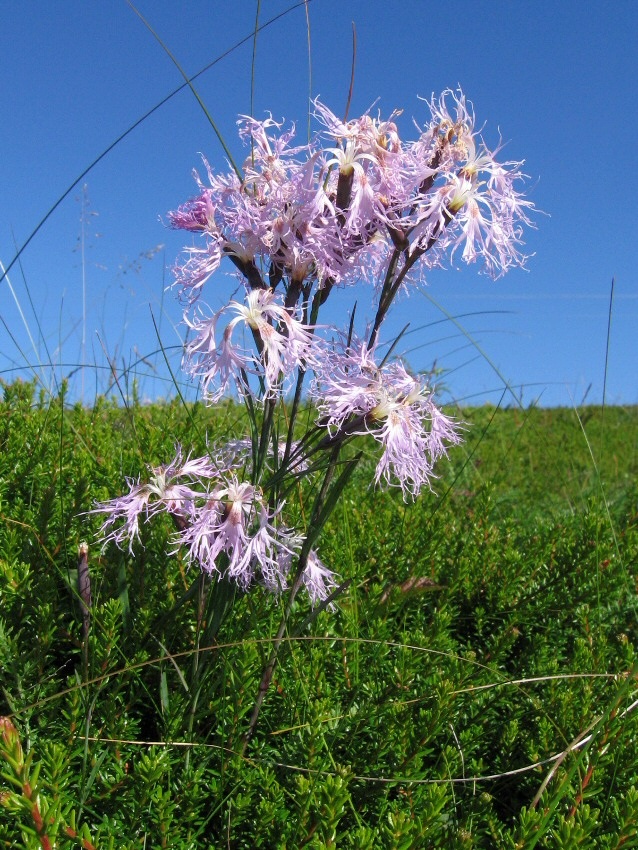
column 489, row 631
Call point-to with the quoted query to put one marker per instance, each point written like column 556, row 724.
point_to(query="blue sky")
column 556, row 80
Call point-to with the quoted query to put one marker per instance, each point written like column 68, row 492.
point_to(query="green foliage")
column 488, row 631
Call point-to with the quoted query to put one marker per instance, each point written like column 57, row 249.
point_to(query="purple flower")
column 318, row 580
column 329, row 215
column 219, row 526
column 216, row 364
column 355, row 396
column 163, row 493
column 270, row 549
column 234, row 534
column 356, row 205
column 227, row 529
column 473, row 202
column 285, row 345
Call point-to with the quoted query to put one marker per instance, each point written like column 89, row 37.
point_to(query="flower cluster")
column 225, row 527
column 280, row 351
column 329, row 213
column 356, row 205
column 355, row 396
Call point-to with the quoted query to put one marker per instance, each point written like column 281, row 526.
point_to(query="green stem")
column 269, row 669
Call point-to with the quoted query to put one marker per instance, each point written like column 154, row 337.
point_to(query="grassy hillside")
column 475, row 686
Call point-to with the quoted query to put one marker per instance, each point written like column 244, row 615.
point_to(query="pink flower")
column 198, row 214
column 472, row 201
column 163, row 493
column 325, row 216
column 318, row 580
column 270, row 549
column 234, row 534
column 227, row 529
column 219, row 526
column 285, row 345
column 355, row 396
column 216, row 364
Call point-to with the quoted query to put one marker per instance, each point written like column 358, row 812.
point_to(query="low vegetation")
column 474, row 687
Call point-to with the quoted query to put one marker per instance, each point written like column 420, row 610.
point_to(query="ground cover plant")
column 489, row 630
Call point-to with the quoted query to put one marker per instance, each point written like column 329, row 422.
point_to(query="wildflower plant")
column 357, row 207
